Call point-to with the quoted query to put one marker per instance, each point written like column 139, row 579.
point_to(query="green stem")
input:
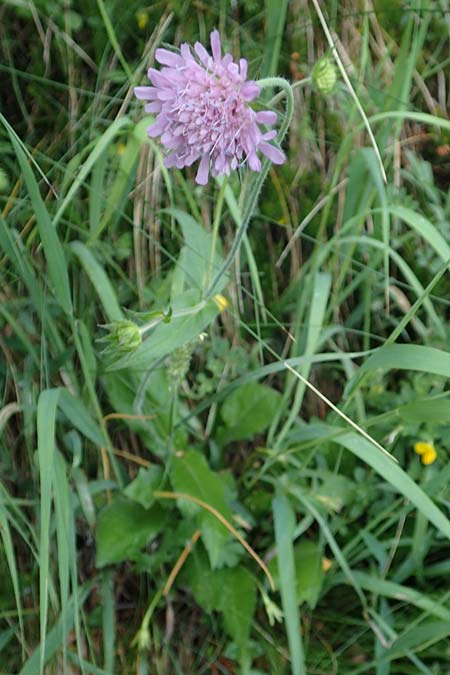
column 258, row 181
column 215, row 229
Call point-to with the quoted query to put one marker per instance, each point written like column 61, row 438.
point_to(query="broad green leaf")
column 190, row 474
column 141, row 488
column 247, row 411
column 308, row 572
column 237, row 603
column 124, row 528
column 231, row 591
column 205, row 583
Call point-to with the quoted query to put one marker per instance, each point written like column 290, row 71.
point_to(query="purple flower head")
column 203, row 112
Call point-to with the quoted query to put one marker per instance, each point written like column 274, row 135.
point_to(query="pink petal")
column 243, row 64
column 254, row 162
column 203, row 171
column 186, row 52
column 266, row 117
column 215, row 46
column 145, row 92
column 202, row 53
column 269, row 136
column 167, row 58
column 250, row 91
column 155, row 129
column 154, row 107
column 274, row 154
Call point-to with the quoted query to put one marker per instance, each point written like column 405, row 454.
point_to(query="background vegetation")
column 150, row 496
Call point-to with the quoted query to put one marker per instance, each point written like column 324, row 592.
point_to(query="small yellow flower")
column 426, row 451
column 429, row 456
column 326, row 564
column 121, row 147
column 141, row 18
column 221, row 302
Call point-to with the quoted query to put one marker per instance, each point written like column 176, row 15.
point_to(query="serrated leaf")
column 237, row 602
column 191, row 475
column 141, row 488
column 248, row 411
column 205, row 583
column 124, row 528
column 231, row 591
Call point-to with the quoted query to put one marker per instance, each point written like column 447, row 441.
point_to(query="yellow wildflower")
column 221, row 302
column 326, row 564
column 426, row 451
column 121, row 147
column 141, row 18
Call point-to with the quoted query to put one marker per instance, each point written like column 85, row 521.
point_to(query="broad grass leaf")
column 416, row 638
column 46, row 422
column 77, row 415
column 99, row 280
column 437, row 411
column 99, row 148
column 57, row 634
column 54, row 253
column 309, row 573
column 195, row 261
column 247, row 411
column 124, row 528
column 284, row 518
column 398, row 592
column 405, row 357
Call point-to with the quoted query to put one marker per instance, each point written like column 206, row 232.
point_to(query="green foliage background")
column 239, row 492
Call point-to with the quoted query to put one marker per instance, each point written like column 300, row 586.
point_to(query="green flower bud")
column 123, row 337
column 324, row 75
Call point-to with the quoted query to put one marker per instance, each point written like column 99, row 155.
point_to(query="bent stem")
column 255, row 188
